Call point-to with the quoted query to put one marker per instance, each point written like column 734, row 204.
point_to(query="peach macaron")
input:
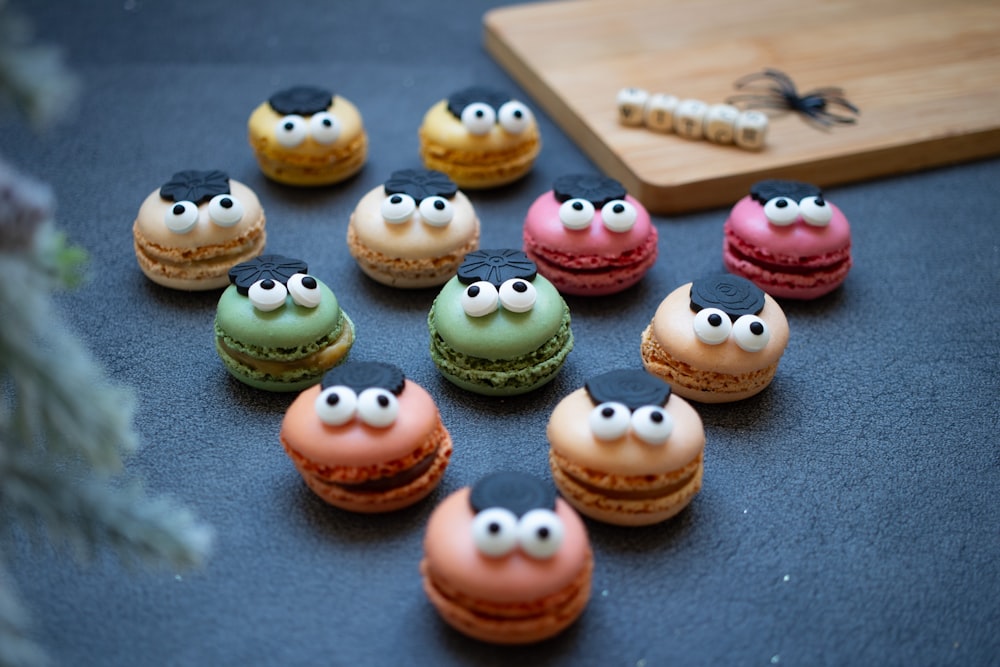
column 367, row 439
column 715, row 340
column 624, row 450
column 506, row 561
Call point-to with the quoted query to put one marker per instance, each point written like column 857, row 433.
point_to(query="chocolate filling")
column 382, row 484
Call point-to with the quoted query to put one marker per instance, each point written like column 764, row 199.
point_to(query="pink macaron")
column 589, row 237
column 788, row 240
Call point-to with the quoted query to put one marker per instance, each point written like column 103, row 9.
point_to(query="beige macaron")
column 192, row 230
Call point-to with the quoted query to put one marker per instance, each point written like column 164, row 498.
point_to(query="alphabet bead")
column 631, row 102
column 751, row 130
column 720, row 123
column 689, row 118
column 659, row 113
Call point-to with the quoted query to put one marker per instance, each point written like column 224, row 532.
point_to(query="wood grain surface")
column 925, row 74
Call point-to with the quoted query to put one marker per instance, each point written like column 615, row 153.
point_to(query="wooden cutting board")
column 925, row 74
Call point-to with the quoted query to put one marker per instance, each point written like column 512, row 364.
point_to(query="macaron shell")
column 569, row 434
column 289, row 326
column 516, row 578
column 355, row 443
column 673, row 329
column 502, row 334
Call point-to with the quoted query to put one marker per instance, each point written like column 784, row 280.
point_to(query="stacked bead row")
column 692, row 119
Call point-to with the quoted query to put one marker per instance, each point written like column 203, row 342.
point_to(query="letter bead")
column 720, row 123
column 659, row 112
column 631, row 102
column 689, row 118
column 751, row 130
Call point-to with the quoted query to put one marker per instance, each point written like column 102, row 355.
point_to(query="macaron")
column 506, row 561
column 624, row 450
column 715, row 340
column 414, row 230
column 195, row 227
column 498, row 328
column 788, row 239
column 480, row 137
column 589, row 237
column 309, row 136
column 367, row 439
column 277, row 327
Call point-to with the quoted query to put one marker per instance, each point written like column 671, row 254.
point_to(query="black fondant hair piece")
column 514, row 491
column 765, row 191
column 457, row 101
column 301, row 100
column 595, row 188
column 361, row 375
column 496, row 266
column 420, row 184
column 274, row 267
column 195, row 186
column 733, row 295
column 632, row 388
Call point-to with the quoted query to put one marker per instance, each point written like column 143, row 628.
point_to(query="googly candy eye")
column 652, row 424
column 304, row 290
column 712, row 326
column 517, row 295
column 781, row 211
column 377, row 407
column 398, row 208
column 324, row 127
column 181, row 217
column 514, row 117
column 436, row 211
column 540, row 533
column 291, row 131
column 751, row 333
column 480, row 298
column 494, row 532
column 815, row 211
column 576, row 213
column 609, row 421
column 225, row 210
column 267, row 295
column 619, row 215
column 336, row 405
column 479, row 118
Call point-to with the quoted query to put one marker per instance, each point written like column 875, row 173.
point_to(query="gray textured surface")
column 849, row 514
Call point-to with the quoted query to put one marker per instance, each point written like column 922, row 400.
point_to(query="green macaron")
column 498, row 328
column 278, row 328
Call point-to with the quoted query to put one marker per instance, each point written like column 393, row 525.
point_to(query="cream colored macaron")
column 192, row 230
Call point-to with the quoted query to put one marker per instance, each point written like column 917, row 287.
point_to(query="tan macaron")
column 624, row 450
column 193, row 229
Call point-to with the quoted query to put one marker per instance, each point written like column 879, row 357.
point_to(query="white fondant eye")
column 576, row 213
column 324, row 127
column 181, row 217
column 815, row 211
column 397, row 208
column 291, row 131
column 781, row 211
column 267, row 295
column 609, row 421
column 436, row 211
column 514, row 117
column 517, row 295
column 225, row 210
column 712, row 326
column 618, row 215
column 336, row 405
column 480, row 298
column 304, row 290
column 540, row 533
column 377, row 407
column 751, row 333
column 652, row 424
column 479, row 118
column 494, row 532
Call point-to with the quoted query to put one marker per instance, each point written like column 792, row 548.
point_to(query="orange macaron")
column 366, row 439
column 507, row 561
column 624, row 450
